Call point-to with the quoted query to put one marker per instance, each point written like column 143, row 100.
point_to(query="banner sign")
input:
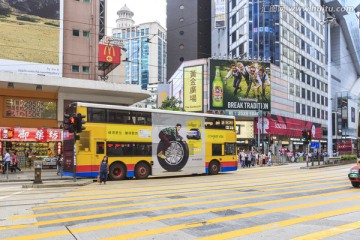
column 220, row 11
column 109, row 54
column 239, row 85
column 284, row 126
column 193, row 89
column 31, row 134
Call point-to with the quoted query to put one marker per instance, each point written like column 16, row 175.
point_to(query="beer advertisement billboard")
column 239, row 85
column 31, row 37
column 193, row 89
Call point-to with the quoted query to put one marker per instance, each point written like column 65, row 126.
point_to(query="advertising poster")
column 178, row 144
column 220, row 13
column 31, row 36
column 239, row 85
column 193, row 89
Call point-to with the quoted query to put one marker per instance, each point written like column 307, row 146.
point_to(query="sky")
column 144, row 11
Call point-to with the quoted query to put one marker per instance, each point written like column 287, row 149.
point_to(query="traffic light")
column 304, row 135
column 69, row 123
column 266, row 140
column 271, row 140
column 79, row 123
column 308, row 135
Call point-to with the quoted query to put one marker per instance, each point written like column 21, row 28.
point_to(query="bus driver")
column 167, row 135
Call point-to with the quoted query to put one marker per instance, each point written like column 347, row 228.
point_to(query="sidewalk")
column 48, row 177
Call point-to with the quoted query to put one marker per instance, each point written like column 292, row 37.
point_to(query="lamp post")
column 328, row 22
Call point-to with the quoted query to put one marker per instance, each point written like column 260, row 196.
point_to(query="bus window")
column 100, row 148
column 230, row 149
column 216, row 150
column 116, row 149
column 96, row 115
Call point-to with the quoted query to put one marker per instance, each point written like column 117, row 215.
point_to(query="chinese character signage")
column 193, row 89
column 30, row 108
column 109, row 54
column 31, row 134
column 239, row 85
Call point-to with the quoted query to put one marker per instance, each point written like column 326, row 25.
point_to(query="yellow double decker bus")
column 141, row 142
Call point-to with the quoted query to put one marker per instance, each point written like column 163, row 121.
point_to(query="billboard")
column 284, row 126
column 239, row 85
column 31, row 37
column 178, row 144
column 109, row 54
column 220, row 13
column 193, row 89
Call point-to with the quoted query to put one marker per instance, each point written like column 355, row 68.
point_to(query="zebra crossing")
column 282, row 202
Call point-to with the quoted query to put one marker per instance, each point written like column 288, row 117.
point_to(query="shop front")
column 32, row 144
column 286, row 132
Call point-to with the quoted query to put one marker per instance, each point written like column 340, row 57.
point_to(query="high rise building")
column 189, row 32
column 145, row 46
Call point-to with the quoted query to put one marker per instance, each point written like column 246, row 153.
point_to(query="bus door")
column 230, row 153
column 99, row 154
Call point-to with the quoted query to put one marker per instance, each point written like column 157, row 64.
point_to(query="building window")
column 76, row 32
column 308, row 95
column 86, row 34
column 308, row 110
column 297, row 107
column 86, row 69
column 303, row 93
column 75, row 68
column 303, row 109
column 313, row 112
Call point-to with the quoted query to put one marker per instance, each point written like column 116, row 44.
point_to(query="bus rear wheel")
column 117, row 171
column 214, row 167
column 142, row 170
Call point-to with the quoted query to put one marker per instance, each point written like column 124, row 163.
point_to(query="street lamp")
column 328, row 22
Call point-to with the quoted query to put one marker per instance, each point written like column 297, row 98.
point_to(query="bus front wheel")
column 117, row 171
column 142, row 170
column 214, row 167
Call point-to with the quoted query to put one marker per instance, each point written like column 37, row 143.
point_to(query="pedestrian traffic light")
column 308, row 135
column 304, row 135
column 266, row 140
column 79, row 123
column 271, row 140
column 69, row 123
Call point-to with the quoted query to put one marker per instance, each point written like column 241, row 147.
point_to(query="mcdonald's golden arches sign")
column 109, row 54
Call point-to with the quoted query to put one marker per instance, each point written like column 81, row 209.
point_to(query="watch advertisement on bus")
column 178, row 144
column 239, row 85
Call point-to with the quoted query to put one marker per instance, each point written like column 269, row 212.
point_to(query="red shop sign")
column 284, row 126
column 31, row 134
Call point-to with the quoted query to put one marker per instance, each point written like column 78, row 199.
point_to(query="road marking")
column 279, row 224
column 165, row 201
column 208, row 222
column 330, row 232
column 169, row 216
column 7, row 196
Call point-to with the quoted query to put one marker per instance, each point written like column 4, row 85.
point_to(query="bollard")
column 37, row 169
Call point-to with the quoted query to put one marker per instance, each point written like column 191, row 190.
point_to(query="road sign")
column 315, row 145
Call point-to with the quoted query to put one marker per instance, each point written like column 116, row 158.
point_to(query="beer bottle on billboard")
column 217, row 89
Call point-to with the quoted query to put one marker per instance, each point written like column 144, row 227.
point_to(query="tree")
column 172, row 104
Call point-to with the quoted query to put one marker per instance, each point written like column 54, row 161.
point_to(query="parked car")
column 354, row 176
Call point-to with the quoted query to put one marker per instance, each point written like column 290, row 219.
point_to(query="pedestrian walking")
column 59, row 165
column 6, row 161
column 269, row 163
column 15, row 162
column 104, row 170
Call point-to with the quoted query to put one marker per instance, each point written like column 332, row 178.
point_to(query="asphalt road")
column 280, row 202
